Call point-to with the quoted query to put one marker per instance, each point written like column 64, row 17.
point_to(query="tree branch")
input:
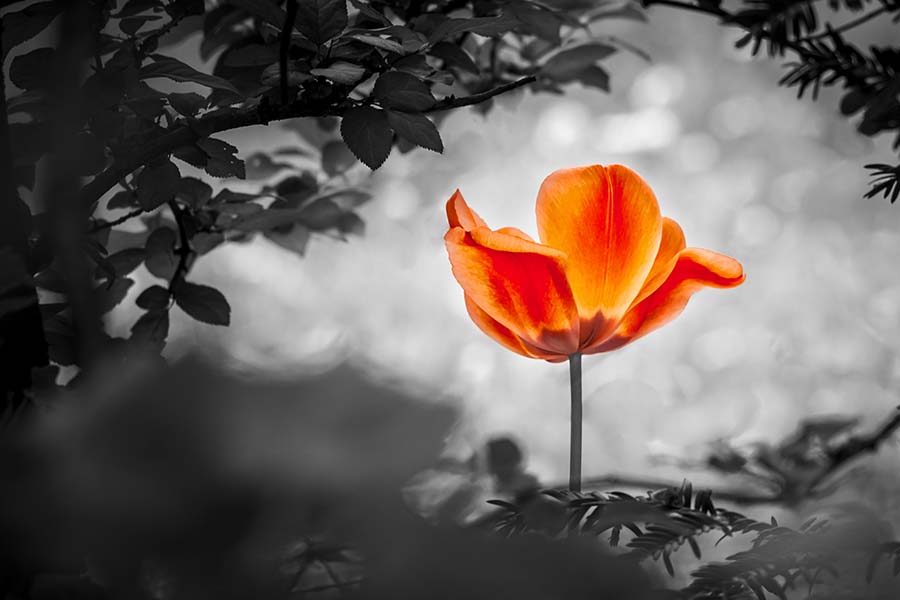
column 454, row 102
column 188, row 131
column 184, row 246
column 108, row 224
column 846, row 26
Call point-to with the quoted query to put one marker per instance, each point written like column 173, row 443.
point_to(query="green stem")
column 576, row 418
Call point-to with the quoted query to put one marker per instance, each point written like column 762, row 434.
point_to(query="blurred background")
column 742, row 165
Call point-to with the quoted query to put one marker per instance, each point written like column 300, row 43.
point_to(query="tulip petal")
column 694, row 270
column 503, row 335
column 460, row 215
column 671, row 244
column 516, row 232
column 520, row 284
column 607, row 221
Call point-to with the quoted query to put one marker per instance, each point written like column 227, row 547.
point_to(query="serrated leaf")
column 396, row 89
column 321, row 20
column 157, row 183
column 174, row 69
column 25, row 23
column 29, row 71
column 160, row 253
column 340, row 72
column 221, row 161
column 569, row 62
column 416, row 128
column 203, row 303
column 367, row 133
column 336, row 158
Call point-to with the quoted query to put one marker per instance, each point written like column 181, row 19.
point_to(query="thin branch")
column 709, row 9
column 286, row 29
column 330, row 586
column 108, row 224
column 454, row 102
column 188, row 131
column 184, row 247
column 846, row 26
column 856, row 446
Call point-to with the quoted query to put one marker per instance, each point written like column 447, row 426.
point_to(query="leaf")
column 131, row 25
column 402, row 91
column 340, row 72
column 193, row 192
column 269, row 219
column 486, row 26
column 569, row 62
column 294, row 240
column 23, row 24
column 251, row 55
column 107, row 296
column 321, row 20
column 454, row 56
column 125, row 261
column 336, row 158
column 351, row 223
column 367, row 133
column 154, row 297
column 29, row 71
column 595, row 76
column 379, row 42
column 171, row 68
column 203, row 303
column 416, row 128
column 157, row 183
column 260, row 165
column 152, row 327
column 203, row 242
column 160, row 253
column 320, row 214
column 187, row 104
column 222, row 160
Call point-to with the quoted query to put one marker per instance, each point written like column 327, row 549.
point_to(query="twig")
column 107, row 224
column 287, row 28
column 331, row 586
column 184, row 247
column 454, row 102
column 846, row 26
column 188, row 131
column 855, row 446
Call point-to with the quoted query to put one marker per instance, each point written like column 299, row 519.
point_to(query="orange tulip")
column 609, row 269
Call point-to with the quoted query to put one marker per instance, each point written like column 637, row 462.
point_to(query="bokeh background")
column 741, row 164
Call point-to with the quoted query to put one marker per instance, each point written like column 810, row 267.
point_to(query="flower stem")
column 576, row 418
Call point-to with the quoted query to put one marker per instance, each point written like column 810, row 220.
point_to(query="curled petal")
column 504, row 336
column 520, row 284
column 460, row 215
column 670, row 245
column 607, row 221
column 516, row 233
column 695, row 269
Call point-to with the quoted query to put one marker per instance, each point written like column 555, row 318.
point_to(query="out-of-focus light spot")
column 696, row 152
column 659, row 85
column 736, row 117
column 884, row 308
column 398, row 199
column 789, row 190
column 647, row 129
column 718, row 349
column 756, row 225
column 560, row 125
column 476, row 362
column 687, row 380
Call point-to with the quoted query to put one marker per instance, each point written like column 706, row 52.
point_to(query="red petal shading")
column 504, row 336
column 695, row 269
column 460, row 215
column 520, row 284
column 671, row 244
column 607, row 221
